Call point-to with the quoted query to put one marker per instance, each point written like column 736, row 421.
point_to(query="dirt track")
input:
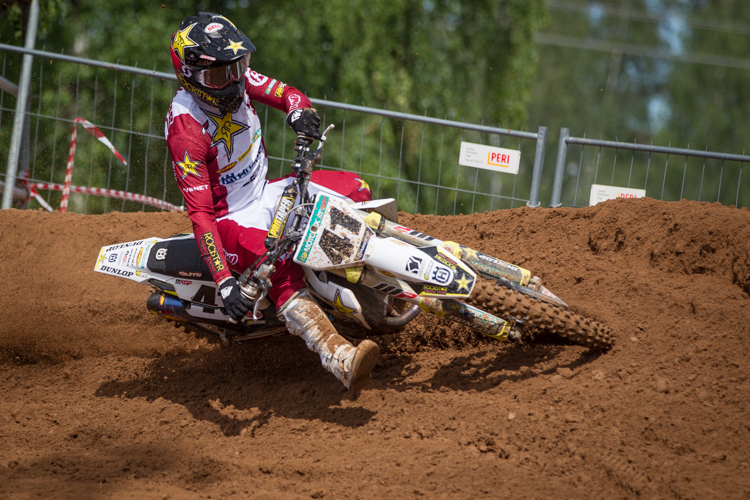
column 100, row 398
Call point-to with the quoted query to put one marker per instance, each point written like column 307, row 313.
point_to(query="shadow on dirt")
column 242, row 387
column 479, row 372
column 103, row 469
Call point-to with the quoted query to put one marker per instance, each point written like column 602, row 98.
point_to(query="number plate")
column 335, row 236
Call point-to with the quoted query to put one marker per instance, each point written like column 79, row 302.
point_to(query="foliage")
column 52, row 13
column 471, row 60
column 634, row 98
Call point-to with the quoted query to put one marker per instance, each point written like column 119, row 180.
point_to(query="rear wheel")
column 504, row 302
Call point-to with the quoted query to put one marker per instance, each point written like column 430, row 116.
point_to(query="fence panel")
column 122, row 105
column 414, row 161
column 665, row 173
column 408, row 157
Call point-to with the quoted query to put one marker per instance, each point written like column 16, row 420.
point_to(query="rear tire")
column 507, row 303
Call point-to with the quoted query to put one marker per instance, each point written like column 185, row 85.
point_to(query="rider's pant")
column 243, row 233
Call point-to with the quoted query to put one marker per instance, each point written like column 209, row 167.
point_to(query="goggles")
column 217, row 78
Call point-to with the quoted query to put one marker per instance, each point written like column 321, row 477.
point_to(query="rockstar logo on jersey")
column 226, row 130
column 188, row 167
column 182, row 41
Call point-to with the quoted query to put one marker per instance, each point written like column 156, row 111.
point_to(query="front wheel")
column 504, row 302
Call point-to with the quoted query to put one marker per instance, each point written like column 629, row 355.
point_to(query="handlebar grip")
column 302, row 142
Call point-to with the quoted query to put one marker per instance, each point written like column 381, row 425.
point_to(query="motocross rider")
column 214, row 138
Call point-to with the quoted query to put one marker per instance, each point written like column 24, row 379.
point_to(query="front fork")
column 470, row 316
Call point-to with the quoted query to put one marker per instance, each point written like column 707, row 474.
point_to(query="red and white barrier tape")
column 91, row 128
column 109, row 193
column 40, row 200
column 23, row 179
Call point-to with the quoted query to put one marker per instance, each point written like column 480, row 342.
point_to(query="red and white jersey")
column 220, row 162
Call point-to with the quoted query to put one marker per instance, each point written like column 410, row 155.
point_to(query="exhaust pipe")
column 408, row 315
column 168, row 306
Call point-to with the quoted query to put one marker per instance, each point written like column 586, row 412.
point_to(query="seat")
column 179, row 256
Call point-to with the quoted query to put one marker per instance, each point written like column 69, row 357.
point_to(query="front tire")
column 505, row 302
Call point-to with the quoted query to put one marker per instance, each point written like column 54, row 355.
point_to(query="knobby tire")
column 504, row 302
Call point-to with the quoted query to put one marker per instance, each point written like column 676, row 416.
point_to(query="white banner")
column 489, row 158
column 603, row 193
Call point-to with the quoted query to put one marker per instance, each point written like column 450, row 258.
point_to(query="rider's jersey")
column 220, row 162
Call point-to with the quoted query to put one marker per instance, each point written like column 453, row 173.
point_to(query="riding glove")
column 236, row 304
column 305, row 123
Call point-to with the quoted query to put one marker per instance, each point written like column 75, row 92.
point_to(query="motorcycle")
column 361, row 265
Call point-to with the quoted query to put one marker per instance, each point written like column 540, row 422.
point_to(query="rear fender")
column 130, row 260
column 126, row 260
column 386, row 207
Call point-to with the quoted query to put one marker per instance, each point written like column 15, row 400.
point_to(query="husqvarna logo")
column 161, row 254
column 441, row 275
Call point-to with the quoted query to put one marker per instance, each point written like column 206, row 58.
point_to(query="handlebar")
column 255, row 280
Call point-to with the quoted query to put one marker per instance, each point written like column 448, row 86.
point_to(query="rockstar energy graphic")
column 208, row 247
column 188, row 167
column 234, row 47
column 196, row 91
column 182, row 41
column 226, row 130
column 463, row 283
column 363, row 185
column 445, row 261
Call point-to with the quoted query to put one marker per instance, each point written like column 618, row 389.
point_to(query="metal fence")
column 665, row 173
column 409, row 157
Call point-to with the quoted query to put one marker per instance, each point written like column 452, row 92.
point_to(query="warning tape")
column 109, row 193
column 91, row 128
column 23, row 179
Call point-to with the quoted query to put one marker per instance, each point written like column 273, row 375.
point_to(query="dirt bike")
column 362, row 266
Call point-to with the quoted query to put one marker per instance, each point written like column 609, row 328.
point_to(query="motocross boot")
column 351, row 365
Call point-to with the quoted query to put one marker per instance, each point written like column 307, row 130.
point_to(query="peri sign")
column 602, row 193
column 489, row 158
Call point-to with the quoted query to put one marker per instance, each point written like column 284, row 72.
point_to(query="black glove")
column 305, row 123
column 236, row 304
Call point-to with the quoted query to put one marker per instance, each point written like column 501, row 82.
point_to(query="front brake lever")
column 323, row 137
column 256, row 314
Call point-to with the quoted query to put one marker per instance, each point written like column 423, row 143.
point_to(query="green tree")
column 472, row 60
column 620, row 96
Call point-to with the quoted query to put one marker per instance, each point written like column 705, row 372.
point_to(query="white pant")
column 260, row 212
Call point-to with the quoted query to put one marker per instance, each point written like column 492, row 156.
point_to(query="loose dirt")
column 100, row 398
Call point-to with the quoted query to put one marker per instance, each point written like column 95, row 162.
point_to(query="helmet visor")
column 217, row 78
